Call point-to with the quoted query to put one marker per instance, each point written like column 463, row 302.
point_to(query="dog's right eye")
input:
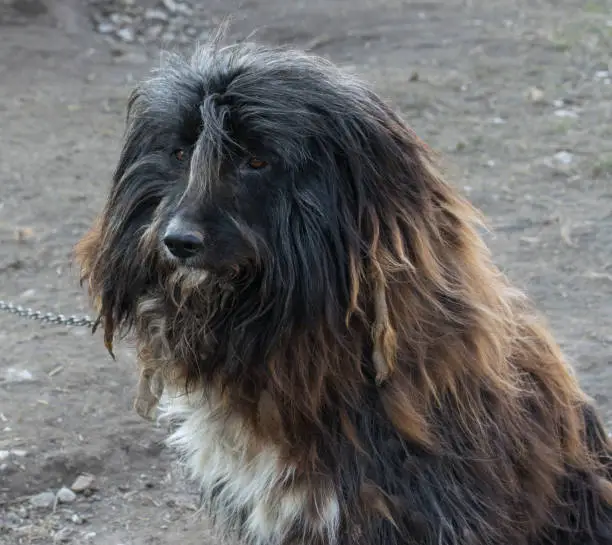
column 179, row 154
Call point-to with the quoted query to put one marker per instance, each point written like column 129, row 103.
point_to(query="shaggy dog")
column 343, row 362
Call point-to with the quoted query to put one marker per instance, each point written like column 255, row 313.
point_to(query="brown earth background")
column 516, row 94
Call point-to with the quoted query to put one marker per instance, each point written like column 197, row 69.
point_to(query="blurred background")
column 515, row 94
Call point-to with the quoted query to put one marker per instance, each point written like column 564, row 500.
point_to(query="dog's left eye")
column 255, row 163
column 179, row 154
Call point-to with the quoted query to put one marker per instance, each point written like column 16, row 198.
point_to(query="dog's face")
column 235, row 161
column 270, row 170
column 223, row 185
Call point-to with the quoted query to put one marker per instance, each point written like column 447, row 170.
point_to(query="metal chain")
column 47, row 317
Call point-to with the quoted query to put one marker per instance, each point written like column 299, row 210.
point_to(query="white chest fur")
column 245, row 489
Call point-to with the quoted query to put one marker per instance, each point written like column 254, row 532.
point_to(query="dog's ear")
column 87, row 253
column 86, row 250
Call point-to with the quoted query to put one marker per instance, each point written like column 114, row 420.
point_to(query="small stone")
column 535, row 95
column 65, row 495
column 12, row 374
column 4, row 455
column 498, row 121
column 564, row 157
column 106, row 28
column 183, row 9
column 170, row 5
column 155, row 15
column 566, row 113
column 125, row 34
column 20, row 453
column 83, row 482
column 23, row 234
column 77, row 519
column 602, row 74
column 43, row 500
column 119, row 19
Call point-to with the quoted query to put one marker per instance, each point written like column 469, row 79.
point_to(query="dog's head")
column 275, row 181
column 254, row 162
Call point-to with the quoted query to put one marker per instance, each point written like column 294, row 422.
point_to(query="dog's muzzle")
column 183, row 239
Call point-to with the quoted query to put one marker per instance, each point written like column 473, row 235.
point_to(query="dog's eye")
column 179, row 154
column 255, row 163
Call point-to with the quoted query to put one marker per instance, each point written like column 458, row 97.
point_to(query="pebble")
column 12, row 374
column 43, row 500
column 77, row 519
column 155, row 15
column 106, row 28
column 535, row 95
column 170, row 5
column 83, row 482
column 564, row 157
column 126, row 34
column 118, row 19
column 566, row 113
column 184, row 9
column 65, row 495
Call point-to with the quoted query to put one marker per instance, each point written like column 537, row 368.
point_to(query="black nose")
column 182, row 239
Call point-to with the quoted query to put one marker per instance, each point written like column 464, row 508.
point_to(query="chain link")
column 47, row 317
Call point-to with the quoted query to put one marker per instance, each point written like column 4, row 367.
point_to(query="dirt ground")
column 516, row 94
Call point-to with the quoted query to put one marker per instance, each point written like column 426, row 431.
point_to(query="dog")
column 341, row 360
